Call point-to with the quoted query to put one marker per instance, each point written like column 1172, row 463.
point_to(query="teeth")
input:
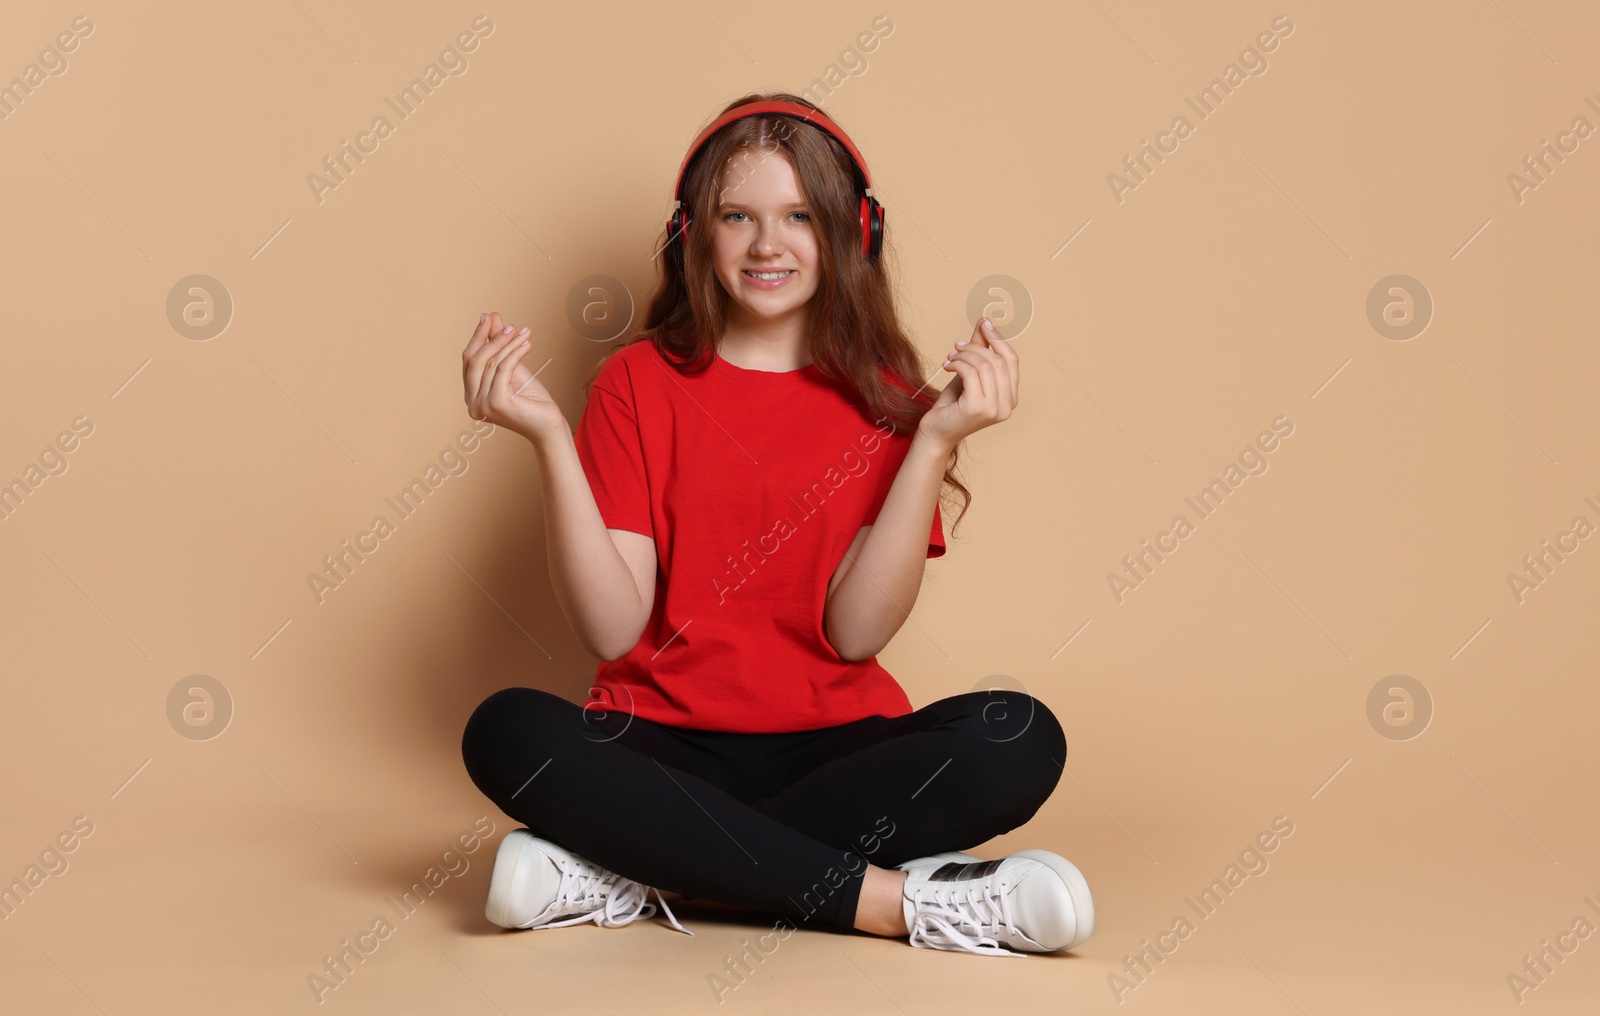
column 769, row 276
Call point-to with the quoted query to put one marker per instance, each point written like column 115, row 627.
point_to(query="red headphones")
column 871, row 213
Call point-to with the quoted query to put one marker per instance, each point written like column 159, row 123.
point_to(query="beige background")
column 1228, row 289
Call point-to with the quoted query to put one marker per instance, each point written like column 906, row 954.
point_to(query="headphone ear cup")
column 676, row 228
column 871, row 228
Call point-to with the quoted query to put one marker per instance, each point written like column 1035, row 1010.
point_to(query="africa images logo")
column 815, row 497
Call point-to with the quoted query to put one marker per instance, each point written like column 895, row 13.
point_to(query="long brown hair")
column 854, row 331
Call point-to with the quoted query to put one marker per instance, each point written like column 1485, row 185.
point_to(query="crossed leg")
column 653, row 804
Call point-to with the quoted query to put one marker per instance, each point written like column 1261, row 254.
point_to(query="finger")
column 984, row 336
column 519, row 369
column 984, row 361
column 999, row 352
column 970, row 340
column 479, row 336
column 996, row 379
column 1008, row 352
column 999, row 343
column 972, row 390
column 1004, row 390
column 983, row 353
column 1013, row 380
column 477, row 361
column 506, row 366
column 988, row 364
column 493, row 327
column 475, row 368
column 951, row 392
column 492, row 368
column 500, row 397
column 514, row 372
column 1010, row 370
column 470, row 365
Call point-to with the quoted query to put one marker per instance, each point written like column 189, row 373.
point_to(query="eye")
column 729, row 216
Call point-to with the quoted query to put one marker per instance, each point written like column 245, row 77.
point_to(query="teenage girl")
column 738, row 526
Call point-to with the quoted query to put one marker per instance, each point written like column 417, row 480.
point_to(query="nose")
column 768, row 241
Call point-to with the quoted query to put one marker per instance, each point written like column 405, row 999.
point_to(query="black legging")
column 780, row 823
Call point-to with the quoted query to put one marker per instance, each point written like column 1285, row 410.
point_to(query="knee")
column 509, row 717
column 1022, row 738
column 1021, row 724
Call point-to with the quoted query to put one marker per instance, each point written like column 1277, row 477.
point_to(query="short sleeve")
column 611, row 452
column 936, row 535
column 936, row 545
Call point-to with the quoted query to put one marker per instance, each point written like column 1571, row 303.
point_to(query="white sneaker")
column 1030, row 901
column 537, row 884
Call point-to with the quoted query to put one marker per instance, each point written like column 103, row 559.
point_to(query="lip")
column 755, row 283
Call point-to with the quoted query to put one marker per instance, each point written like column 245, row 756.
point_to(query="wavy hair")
column 854, row 331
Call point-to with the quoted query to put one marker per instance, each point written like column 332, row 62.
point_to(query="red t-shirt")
column 753, row 484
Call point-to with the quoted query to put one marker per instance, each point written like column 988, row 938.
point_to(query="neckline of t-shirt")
column 765, row 378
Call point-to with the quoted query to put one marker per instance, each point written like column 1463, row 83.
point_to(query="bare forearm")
column 877, row 593
column 591, row 581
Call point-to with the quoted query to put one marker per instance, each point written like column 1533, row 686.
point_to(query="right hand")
column 499, row 389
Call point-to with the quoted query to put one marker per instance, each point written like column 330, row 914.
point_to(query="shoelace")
column 608, row 899
column 958, row 921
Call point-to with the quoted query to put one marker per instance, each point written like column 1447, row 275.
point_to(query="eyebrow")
column 746, row 208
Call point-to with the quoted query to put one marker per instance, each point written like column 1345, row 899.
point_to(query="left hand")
column 983, row 393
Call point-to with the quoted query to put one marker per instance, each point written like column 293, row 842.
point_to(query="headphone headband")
column 794, row 109
column 870, row 213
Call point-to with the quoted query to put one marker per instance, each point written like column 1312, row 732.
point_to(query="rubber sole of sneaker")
column 517, row 845
column 1077, row 887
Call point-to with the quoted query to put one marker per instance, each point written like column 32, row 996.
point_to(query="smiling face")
column 763, row 226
